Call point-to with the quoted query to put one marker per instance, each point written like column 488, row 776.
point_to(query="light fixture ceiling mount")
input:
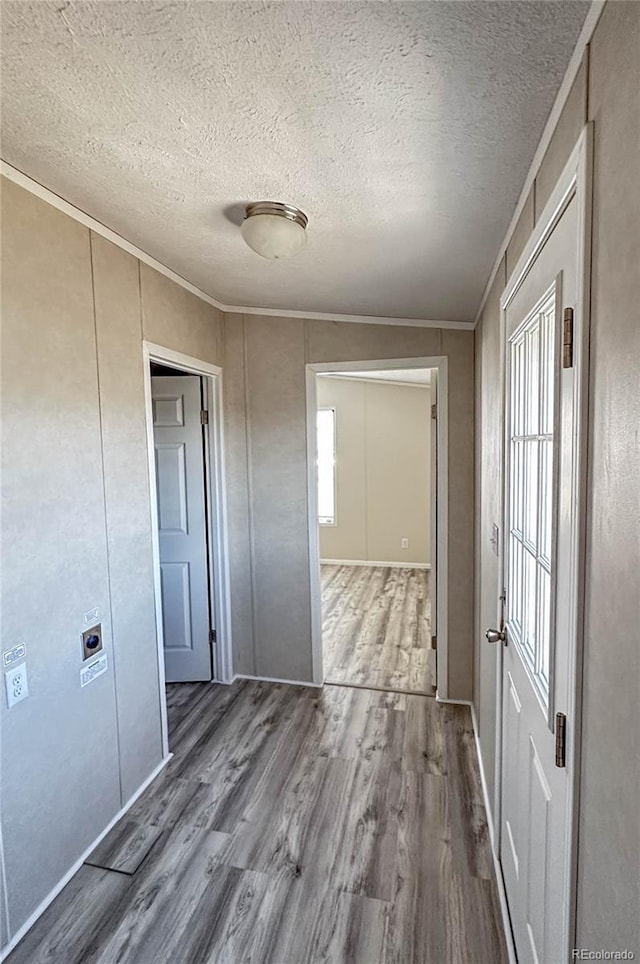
column 274, row 230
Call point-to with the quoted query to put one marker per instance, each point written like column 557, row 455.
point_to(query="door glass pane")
column 546, row 499
column 517, row 399
column 531, row 492
column 517, row 491
column 544, row 627
column 529, row 606
column 547, row 373
column 532, row 388
column 515, row 585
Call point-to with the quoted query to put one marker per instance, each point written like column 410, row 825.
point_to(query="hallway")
column 292, row 826
column 377, row 628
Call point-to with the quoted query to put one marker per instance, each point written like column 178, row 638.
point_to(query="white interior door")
column 182, row 527
column 538, row 524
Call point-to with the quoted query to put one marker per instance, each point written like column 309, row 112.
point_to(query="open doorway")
column 188, row 528
column 377, row 522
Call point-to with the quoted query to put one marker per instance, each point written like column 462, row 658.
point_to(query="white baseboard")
column 497, row 869
column 483, row 779
column 51, row 896
column 365, row 562
column 275, row 679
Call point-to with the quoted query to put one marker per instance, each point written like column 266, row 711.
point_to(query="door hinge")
column 567, row 338
column 204, row 417
column 561, row 739
column 434, row 411
column 434, row 642
column 213, row 636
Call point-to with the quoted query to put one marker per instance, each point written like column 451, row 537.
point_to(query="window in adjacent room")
column 326, row 466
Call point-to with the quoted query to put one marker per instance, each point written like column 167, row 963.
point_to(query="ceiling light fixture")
column 274, row 230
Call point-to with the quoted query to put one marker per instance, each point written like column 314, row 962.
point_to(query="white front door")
column 182, row 526
column 539, row 523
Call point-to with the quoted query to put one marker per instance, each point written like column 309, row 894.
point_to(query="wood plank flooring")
column 125, row 847
column 297, row 826
column 377, row 628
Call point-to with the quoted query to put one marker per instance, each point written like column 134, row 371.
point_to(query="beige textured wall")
column 606, row 92
column 126, row 494
column 76, row 529
column 54, row 553
column 265, row 380
column 382, row 471
column 176, row 319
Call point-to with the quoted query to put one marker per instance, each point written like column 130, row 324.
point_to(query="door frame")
column 217, row 529
column 438, row 362
column 574, row 182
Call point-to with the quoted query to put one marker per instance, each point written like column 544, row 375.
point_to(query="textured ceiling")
column 404, row 131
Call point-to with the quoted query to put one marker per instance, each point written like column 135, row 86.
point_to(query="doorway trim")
column 438, row 362
column 217, row 530
column 574, row 182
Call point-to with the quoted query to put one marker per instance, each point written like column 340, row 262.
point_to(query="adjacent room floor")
column 377, row 628
column 292, row 826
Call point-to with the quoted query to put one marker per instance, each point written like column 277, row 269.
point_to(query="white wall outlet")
column 15, row 681
column 404, row 543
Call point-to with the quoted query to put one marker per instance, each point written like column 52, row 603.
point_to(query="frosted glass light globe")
column 275, row 236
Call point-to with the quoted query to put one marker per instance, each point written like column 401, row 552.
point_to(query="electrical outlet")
column 404, row 543
column 16, row 684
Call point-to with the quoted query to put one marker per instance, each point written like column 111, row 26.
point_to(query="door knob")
column 496, row 635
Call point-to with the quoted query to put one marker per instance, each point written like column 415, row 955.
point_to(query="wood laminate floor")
column 296, row 826
column 377, row 628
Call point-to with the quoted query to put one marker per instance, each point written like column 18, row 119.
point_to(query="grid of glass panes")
column 529, row 579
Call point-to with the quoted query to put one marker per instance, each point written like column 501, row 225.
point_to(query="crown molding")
column 346, row 377
column 590, row 24
column 359, row 319
column 56, row 201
